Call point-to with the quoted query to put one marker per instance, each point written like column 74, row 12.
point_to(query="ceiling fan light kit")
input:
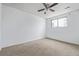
column 48, row 7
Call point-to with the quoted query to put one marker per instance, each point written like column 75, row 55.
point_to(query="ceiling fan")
column 48, row 7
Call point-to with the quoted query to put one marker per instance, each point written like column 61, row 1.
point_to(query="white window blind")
column 62, row 22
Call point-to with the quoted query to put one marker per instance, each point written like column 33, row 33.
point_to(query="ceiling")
column 33, row 7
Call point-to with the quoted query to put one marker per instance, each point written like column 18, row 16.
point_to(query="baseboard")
column 62, row 41
column 17, row 43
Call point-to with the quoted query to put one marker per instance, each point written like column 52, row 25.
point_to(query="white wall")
column 0, row 24
column 67, row 34
column 20, row 27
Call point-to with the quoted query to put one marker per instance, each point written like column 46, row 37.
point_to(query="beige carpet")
column 43, row 47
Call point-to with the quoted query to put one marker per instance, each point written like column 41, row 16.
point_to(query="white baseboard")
column 72, row 43
column 21, row 42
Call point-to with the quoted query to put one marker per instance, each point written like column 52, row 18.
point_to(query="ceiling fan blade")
column 52, row 10
column 41, row 10
column 53, row 5
column 45, row 5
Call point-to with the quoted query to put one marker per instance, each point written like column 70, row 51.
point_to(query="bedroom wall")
column 68, row 34
column 20, row 27
column 0, row 25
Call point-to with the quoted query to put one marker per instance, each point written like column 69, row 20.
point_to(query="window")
column 62, row 22
column 54, row 23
